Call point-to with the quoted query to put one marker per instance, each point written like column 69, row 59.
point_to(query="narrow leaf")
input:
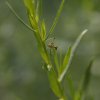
column 56, row 18
column 71, row 55
column 66, row 60
column 71, row 86
column 87, row 76
column 43, row 51
column 43, row 54
column 54, row 83
column 17, row 16
column 78, row 41
column 84, row 82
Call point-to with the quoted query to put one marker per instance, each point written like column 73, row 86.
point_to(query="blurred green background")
column 21, row 74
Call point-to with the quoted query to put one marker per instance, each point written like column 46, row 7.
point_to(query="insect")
column 52, row 46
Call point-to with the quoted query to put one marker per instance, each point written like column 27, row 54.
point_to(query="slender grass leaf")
column 84, row 82
column 43, row 55
column 54, row 83
column 71, row 55
column 71, row 86
column 56, row 18
column 78, row 41
column 17, row 16
column 43, row 50
column 66, row 60
column 87, row 76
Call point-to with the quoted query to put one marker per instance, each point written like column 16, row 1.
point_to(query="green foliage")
column 65, row 60
column 69, row 56
column 17, row 16
column 58, row 70
column 84, row 83
column 30, row 5
column 56, row 17
column 87, row 75
column 71, row 86
column 54, row 83
column 43, row 30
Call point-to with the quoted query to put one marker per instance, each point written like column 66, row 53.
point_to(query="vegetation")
column 56, row 67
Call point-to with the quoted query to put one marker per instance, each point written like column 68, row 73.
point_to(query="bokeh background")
column 21, row 74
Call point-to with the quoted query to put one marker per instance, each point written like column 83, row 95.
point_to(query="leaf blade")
column 56, row 18
column 54, row 83
column 84, row 83
column 17, row 16
column 66, row 60
column 71, row 86
column 72, row 54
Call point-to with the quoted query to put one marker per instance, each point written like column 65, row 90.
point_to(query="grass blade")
column 71, row 86
column 66, row 60
column 54, row 83
column 84, row 82
column 56, row 18
column 17, row 16
column 78, row 41
column 71, row 55
column 87, row 76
